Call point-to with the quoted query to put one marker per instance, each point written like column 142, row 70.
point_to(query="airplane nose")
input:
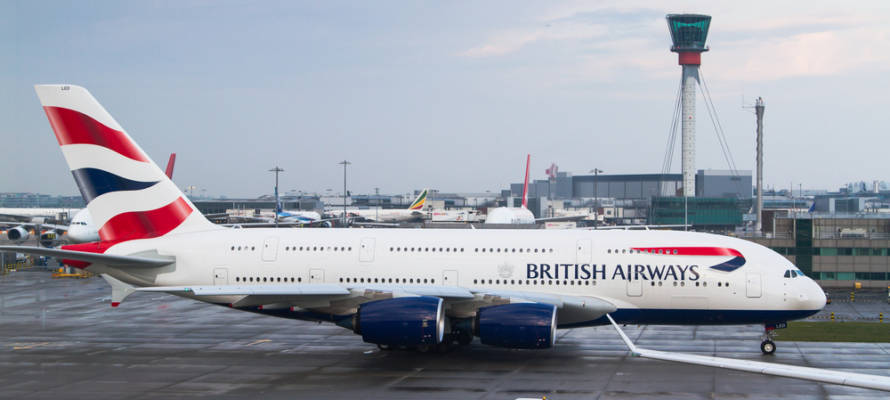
column 816, row 297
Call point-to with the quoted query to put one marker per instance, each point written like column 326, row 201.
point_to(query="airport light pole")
column 596, row 216
column 276, row 170
column 344, row 163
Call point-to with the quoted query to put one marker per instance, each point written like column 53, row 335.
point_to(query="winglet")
column 630, row 345
column 119, row 290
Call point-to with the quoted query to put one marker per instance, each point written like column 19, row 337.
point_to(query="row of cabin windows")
column 512, row 250
column 245, row 248
column 317, row 248
column 387, row 280
column 267, row 279
column 637, row 251
column 427, row 249
column 573, row 282
column 532, row 282
column 461, row 250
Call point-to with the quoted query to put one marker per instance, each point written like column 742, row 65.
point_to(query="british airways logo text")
column 626, row 272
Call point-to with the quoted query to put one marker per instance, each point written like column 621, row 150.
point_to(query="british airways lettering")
column 626, row 272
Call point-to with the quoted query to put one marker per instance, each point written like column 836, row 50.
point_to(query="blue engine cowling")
column 517, row 326
column 403, row 321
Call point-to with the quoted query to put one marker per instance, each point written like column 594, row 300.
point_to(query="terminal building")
column 836, row 250
column 722, row 198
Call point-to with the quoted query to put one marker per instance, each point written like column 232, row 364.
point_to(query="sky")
column 447, row 95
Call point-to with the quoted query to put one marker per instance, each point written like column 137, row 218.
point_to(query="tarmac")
column 59, row 338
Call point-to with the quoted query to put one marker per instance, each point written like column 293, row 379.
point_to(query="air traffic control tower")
column 689, row 32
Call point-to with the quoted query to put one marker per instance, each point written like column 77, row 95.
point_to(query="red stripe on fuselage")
column 691, row 251
column 73, row 127
column 145, row 224
column 94, row 247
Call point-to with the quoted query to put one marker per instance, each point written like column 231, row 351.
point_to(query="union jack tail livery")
column 127, row 194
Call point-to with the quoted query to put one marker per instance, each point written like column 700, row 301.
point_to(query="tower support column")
column 687, row 105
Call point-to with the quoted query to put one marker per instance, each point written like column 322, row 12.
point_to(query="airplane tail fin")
column 528, row 160
column 127, row 194
column 170, row 163
column 419, row 201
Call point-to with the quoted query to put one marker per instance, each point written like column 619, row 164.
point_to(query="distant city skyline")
column 445, row 95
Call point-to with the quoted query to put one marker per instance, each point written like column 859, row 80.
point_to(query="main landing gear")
column 767, row 346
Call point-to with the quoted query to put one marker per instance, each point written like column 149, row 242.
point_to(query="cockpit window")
column 792, row 273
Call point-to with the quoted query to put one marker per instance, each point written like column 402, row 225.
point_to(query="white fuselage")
column 82, row 229
column 509, row 215
column 500, row 260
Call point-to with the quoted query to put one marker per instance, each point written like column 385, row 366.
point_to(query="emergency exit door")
column 752, row 285
column 220, row 276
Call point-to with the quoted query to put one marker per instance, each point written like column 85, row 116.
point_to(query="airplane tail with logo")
column 419, row 201
column 127, row 194
column 528, row 160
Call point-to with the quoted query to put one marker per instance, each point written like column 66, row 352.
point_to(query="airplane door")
column 270, row 248
column 449, row 278
column 583, row 252
column 220, row 276
column 752, row 287
column 366, row 252
column 635, row 287
column 316, row 275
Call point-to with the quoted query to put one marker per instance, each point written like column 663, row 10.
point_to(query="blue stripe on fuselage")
column 730, row 265
column 642, row 316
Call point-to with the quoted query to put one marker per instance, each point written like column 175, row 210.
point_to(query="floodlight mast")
column 689, row 33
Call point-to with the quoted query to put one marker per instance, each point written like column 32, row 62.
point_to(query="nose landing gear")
column 767, row 346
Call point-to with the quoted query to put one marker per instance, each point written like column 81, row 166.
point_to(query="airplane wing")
column 562, row 218
column 110, row 260
column 340, row 299
column 760, row 367
column 32, row 225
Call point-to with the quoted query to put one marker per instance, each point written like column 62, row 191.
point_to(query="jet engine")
column 49, row 239
column 402, row 321
column 517, row 326
column 18, row 234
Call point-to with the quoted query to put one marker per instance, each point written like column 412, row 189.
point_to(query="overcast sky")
column 448, row 95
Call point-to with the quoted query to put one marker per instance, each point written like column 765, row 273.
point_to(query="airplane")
column 418, row 288
column 79, row 230
column 413, row 213
column 522, row 215
column 282, row 217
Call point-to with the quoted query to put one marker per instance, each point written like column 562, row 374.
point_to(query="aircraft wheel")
column 767, row 347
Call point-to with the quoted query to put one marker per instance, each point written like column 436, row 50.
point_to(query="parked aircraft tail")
column 419, row 201
column 528, row 160
column 127, row 194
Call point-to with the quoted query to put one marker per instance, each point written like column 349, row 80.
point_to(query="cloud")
column 747, row 45
column 511, row 41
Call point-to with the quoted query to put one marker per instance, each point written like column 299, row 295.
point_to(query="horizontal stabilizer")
column 110, row 260
column 119, row 290
column 759, row 367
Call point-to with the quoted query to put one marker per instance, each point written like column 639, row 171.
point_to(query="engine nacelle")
column 517, row 326
column 49, row 239
column 18, row 234
column 402, row 321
